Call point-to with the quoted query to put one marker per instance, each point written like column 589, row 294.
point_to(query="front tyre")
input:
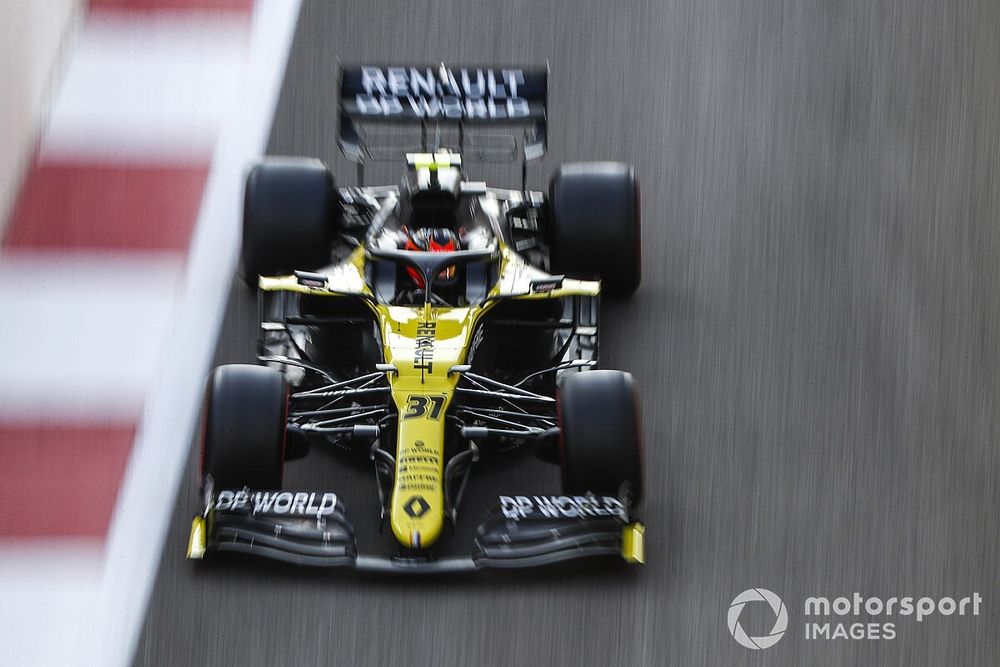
column 594, row 227
column 243, row 441
column 291, row 211
column 600, row 444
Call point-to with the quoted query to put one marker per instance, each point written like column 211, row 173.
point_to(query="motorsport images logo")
column 855, row 617
column 755, row 595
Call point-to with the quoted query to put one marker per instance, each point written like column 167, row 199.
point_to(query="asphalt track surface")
column 815, row 338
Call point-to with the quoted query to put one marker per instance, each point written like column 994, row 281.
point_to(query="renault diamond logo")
column 416, row 507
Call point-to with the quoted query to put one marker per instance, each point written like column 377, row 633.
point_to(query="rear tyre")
column 600, row 444
column 594, row 227
column 291, row 211
column 244, row 427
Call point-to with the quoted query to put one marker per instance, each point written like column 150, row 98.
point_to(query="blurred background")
column 32, row 35
column 815, row 339
column 112, row 113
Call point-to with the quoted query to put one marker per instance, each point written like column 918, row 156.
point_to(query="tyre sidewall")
column 244, row 427
column 601, row 440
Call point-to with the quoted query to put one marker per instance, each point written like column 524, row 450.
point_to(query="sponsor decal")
column 442, row 92
column 280, row 503
column 419, row 469
column 477, row 340
column 561, row 507
column 855, row 617
column 307, row 279
column 416, row 507
column 547, row 285
column 423, row 352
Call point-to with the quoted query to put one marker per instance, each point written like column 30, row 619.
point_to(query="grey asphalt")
column 815, row 338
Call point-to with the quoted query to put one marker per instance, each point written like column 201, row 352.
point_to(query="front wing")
column 312, row 529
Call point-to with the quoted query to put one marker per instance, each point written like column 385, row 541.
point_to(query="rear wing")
column 443, row 102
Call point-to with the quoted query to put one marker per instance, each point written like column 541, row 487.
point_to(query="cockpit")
column 437, row 215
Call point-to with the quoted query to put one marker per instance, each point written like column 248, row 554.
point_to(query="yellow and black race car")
column 430, row 325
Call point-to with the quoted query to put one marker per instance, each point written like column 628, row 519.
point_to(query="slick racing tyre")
column 291, row 211
column 600, row 446
column 244, row 427
column 594, row 229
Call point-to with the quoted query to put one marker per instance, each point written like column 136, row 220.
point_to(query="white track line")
column 91, row 327
column 70, row 570
column 139, row 525
column 149, row 86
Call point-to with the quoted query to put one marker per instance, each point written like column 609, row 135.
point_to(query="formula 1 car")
column 429, row 325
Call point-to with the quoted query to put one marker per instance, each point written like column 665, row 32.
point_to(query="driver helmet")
column 432, row 239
